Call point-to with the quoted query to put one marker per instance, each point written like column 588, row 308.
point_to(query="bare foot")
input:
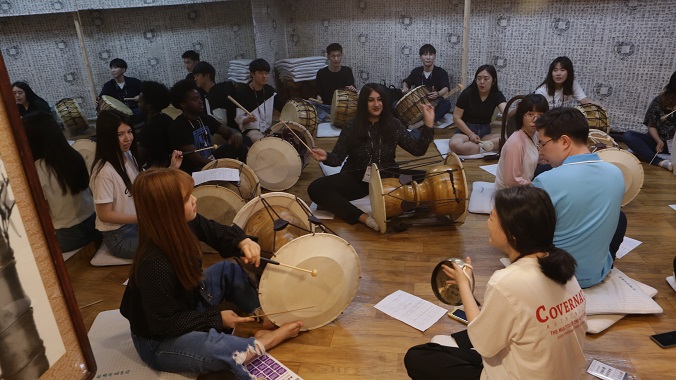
column 271, row 338
column 268, row 324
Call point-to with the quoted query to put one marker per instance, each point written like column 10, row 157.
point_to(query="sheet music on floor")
column 493, row 169
column 627, row 245
column 673, row 206
column 218, row 174
column 268, row 368
column 412, row 310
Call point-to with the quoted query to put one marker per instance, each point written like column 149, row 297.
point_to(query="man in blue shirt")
column 586, row 192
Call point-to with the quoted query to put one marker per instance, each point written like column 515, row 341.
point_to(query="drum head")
column 325, row 296
column 632, row 171
column 446, row 293
column 276, row 163
column 108, row 102
column 218, row 203
column 87, row 148
column 377, row 198
column 248, row 187
column 286, row 200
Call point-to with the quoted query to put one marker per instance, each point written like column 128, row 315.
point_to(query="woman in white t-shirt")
column 115, row 168
column 65, row 182
column 560, row 87
column 520, row 154
column 533, row 321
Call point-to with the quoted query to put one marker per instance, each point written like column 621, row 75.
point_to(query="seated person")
column 216, row 99
column 154, row 97
column 64, row 178
column 434, row 78
column 190, row 58
column 331, row 78
column 172, row 304
column 560, row 87
column 514, row 336
column 520, row 154
column 474, row 111
column 661, row 128
column 255, row 98
column 123, row 88
column 28, row 101
column 372, row 137
column 193, row 130
column 586, row 191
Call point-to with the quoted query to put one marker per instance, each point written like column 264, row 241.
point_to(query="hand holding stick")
column 294, row 133
column 312, row 272
column 286, row 311
column 663, row 118
column 201, row 149
column 240, row 106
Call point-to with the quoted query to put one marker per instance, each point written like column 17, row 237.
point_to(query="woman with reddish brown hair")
column 171, row 304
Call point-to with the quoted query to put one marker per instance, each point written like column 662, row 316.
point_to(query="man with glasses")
column 586, row 191
column 331, row 78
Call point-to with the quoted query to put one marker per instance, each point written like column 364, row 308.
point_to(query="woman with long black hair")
column 372, row 137
column 27, row 100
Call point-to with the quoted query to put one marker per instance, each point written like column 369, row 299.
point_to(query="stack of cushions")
column 238, row 70
column 300, row 69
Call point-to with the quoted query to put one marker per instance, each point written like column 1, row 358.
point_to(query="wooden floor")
column 364, row 343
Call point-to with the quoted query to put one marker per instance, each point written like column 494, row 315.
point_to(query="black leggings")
column 335, row 192
column 432, row 361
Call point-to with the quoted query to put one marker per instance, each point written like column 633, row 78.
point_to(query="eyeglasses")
column 532, row 115
column 542, row 144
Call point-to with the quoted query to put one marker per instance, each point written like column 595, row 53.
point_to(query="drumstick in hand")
column 455, row 89
column 312, row 272
column 286, row 311
column 201, row 149
column 663, row 118
column 294, row 133
column 240, row 106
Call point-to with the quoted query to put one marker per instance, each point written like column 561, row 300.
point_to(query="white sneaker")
column 372, row 223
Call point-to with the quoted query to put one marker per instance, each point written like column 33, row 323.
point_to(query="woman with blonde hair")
column 171, row 303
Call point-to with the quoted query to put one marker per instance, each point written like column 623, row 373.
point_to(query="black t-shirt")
column 437, row 79
column 218, row 98
column 155, row 139
column 476, row 111
column 328, row 82
column 196, row 132
column 132, row 87
column 251, row 99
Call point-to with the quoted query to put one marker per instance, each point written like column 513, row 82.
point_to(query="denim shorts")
column 480, row 129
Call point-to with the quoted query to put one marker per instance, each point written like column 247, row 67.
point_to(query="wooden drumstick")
column 294, row 133
column 663, row 118
column 286, row 311
column 455, row 89
column 130, row 99
column 201, row 149
column 312, row 272
column 240, row 106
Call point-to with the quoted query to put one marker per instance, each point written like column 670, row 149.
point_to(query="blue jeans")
column 323, row 111
column 211, row 351
column 442, row 109
column 122, row 242
column 643, row 146
column 77, row 236
column 480, row 129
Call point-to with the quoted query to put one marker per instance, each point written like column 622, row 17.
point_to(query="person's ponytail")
column 558, row 265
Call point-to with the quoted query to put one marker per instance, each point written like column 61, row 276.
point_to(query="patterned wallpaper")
column 34, row 7
column 150, row 40
column 269, row 29
column 623, row 51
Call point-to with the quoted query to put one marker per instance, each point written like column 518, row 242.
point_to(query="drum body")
column 301, row 112
column 248, row 186
column 278, row 160
column 69, row 114
column 597, row 117
column 410, row 108
column 600, row 140
column 631, row 168
column 343, row 107
column 110, row 103
column 86, row 148
column 324, row 297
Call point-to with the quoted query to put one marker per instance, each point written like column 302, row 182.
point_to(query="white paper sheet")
column 218, row 174
column 493, row 169
column 627, row 245
column 673, row 206
column 412, row 310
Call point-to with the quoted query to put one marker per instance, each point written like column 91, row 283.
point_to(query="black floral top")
column 656, row 110
column 376, row 149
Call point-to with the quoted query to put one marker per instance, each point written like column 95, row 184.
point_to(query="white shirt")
column 560, row 100
column 67, row 209
column 108, row 187
column 530, row 327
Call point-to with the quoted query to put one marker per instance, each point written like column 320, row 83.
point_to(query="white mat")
column 444, row 148
column 444, row 122
column 115, row 353
column 481, row 200
column 69, row 254
column 327, row 130
column 672, row 282
column 619, row 294
column 363, row 204
column 103, row 258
